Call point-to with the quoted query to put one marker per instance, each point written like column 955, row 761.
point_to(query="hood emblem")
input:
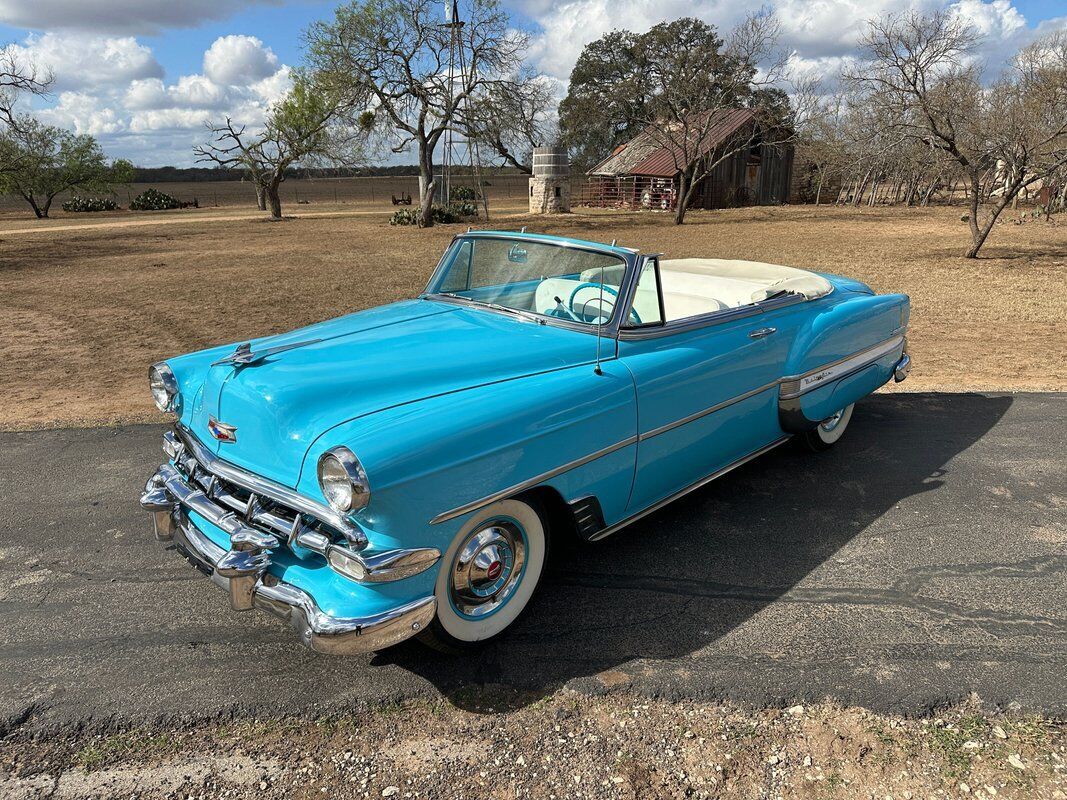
column 244, row 355
column 222, row 431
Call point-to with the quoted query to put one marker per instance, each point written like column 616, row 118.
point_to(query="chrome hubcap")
column 831, row 423
column 487, row 569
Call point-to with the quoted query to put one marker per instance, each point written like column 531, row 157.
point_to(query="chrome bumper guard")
column 903, row 368
column 244, row 575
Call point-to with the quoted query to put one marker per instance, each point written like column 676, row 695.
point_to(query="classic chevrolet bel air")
column 401, row 470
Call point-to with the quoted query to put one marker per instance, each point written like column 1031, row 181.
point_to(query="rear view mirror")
column 517, row 254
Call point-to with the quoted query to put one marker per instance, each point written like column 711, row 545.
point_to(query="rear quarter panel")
column 843, row 325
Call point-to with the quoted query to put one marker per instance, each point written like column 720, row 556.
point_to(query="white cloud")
column 272, row 89
column 169, row 119
column 79, row 61
column 239, row 60
column 139, row 17
column 82, row 113
column 145, row 94
column 996, row 20
column 819, row 30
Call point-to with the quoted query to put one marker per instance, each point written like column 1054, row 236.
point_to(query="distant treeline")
column 195, row 174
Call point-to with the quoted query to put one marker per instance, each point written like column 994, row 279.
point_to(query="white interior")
column 691, row 286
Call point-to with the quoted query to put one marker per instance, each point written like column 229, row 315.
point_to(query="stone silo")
column 550, row 185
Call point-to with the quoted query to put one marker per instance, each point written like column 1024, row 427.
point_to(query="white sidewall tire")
column 830, row 437
column 469, row 630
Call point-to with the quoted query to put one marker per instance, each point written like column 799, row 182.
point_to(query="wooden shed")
column 642, row 173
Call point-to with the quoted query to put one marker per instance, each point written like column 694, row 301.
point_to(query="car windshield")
column 528, row 277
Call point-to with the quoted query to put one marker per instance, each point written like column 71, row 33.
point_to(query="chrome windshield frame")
column 626, row 255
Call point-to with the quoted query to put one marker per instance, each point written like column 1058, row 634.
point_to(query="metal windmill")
column 457, row 60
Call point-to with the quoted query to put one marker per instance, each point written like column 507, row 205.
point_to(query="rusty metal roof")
column 646, row 155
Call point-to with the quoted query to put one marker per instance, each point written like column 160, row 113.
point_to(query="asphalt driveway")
column 922, row 559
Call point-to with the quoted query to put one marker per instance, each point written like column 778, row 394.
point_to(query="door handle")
column 760, row 333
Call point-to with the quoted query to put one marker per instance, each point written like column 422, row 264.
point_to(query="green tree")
column 44, row 161
column 297, row 132
column 606, row 100
column 673, row 83
column 390, row 57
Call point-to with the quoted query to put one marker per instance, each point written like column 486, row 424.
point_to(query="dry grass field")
column 90, row 301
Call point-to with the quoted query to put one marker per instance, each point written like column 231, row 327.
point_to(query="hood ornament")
column 222, row 431
column 244, row 355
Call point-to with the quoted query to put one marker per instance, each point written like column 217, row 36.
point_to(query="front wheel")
column 826, row 433
column 488, row 576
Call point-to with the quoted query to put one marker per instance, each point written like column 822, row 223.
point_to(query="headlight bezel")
column 346, row 470
column 160, row 375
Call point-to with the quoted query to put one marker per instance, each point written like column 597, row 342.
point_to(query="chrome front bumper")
column 204, row 486
column 243, row 575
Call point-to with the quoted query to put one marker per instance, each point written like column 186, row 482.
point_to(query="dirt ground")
column 565, row 746
column 89, row 302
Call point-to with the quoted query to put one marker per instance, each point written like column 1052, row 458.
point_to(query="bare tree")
column 924, row 84
column 389, row 59
column 511, row 118
column 297, row 130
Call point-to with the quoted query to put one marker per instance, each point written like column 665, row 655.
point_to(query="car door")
column 706, row 388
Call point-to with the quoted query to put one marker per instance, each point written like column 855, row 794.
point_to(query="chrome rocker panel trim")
column 318, row 630
column 601, row 534
column 168, row 488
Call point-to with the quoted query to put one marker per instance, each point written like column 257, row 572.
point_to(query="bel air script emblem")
column 222, row 431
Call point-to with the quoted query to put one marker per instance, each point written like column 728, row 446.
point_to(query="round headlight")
column 343, row 480
column 164, row 387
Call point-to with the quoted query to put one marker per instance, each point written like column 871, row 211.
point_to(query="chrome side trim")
column 797, row 385
column 530, row 483
column 682, row 492
column 703, row 413
column 268, row 488
column 834, row 370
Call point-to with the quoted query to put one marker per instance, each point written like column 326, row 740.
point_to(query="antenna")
column 599, row 322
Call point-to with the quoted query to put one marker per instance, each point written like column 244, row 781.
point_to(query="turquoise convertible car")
column 400, row 471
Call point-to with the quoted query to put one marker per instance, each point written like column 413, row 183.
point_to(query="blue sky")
column 143, row 76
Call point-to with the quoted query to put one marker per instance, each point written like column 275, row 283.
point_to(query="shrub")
column 153, row 200
column 90, row 204
column 453, row 212
column 461, row 194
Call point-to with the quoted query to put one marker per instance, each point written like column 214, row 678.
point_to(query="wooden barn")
column 642, row 172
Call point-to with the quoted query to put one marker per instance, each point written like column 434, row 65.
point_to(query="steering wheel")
column 590, row 302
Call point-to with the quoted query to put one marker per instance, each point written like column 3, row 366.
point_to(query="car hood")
column 363, row 363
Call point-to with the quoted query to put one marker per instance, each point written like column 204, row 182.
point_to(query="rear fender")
column 841, row 355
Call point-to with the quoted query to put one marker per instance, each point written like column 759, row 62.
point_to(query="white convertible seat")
column 694, row 286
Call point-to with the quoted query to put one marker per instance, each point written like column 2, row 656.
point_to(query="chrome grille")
column 265, row 506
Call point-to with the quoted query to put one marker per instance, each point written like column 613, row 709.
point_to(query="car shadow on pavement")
column 684, row 578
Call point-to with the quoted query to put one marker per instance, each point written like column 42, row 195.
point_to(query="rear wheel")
column 826, row 433
column 488, row 575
